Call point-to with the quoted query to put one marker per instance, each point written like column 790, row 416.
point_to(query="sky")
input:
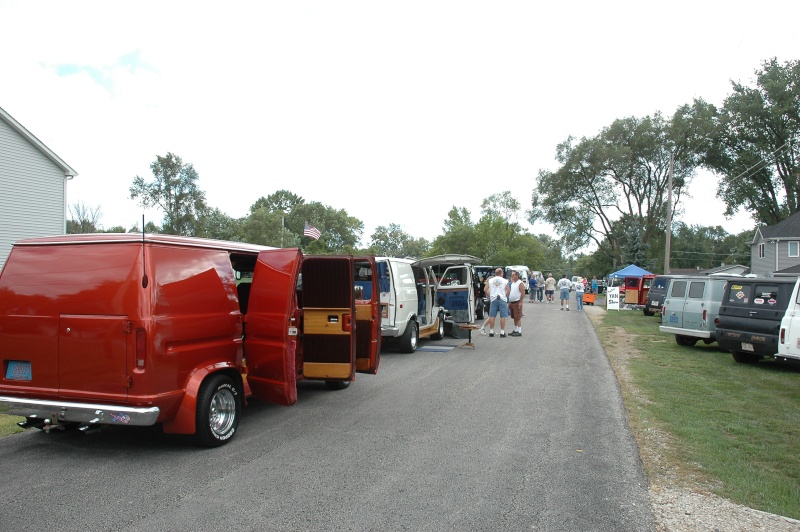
column 392, row 111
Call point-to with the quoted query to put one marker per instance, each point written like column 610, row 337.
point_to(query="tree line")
column 617, row 205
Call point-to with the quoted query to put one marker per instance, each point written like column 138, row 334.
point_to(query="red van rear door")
column 271, row 327
column 368, row 318
column 93, row 357
column 327, row 300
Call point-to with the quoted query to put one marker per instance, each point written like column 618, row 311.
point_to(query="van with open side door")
column 139, row 329
column 750, row 316
column 690, row 306
column 417, row 294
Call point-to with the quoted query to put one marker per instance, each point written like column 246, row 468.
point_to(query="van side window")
column 765, row 294
column 740, row 294
column 678, row 289
column 696, row 289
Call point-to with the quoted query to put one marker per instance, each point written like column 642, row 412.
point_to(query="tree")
column 622, row 173
column 392, row 241
column 213, row 223
column 175, row 191
column 756, row 145
column 83, row 219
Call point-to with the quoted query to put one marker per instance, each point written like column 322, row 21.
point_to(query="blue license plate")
column 19, row 370
column 673, row 319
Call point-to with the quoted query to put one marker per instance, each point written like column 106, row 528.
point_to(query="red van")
column 132, row 329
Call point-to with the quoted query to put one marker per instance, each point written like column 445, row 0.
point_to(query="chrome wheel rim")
column 222, row 413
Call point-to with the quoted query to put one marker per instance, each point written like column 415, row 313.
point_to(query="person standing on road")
column 539, row 288
column 550, row 288
column 533, row 284
column 579, row 289
column 594, row 284
column 564, row 285
column 516, row 295
column 497, row 291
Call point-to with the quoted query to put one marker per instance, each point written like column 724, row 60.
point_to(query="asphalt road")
column 521, row 433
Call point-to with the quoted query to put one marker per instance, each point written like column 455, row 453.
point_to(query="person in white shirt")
column 579, row 289
column 497, row 290
column 515, row 296
column 564, row 285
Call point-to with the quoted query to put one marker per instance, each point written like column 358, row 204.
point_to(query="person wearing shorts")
column 497, row 290
column 564, row 285
column 550, row 288
column 515, row 296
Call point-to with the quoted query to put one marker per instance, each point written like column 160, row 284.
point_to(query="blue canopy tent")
column 629, row 271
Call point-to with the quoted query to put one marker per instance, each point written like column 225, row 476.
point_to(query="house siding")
column 768, row 265
column 32, row 192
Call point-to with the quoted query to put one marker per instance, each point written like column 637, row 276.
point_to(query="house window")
column 794, row 249
column 761, row 251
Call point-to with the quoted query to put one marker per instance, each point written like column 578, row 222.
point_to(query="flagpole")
column 282, row 226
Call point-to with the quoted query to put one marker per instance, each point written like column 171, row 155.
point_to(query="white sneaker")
column 483, row 333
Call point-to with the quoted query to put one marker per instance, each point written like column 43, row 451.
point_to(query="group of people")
column 506, row 297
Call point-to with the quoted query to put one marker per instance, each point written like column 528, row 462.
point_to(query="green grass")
column 8, row 425
column 735, row 425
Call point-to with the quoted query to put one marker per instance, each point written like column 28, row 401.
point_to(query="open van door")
column 271, row 327
column 455, row 284
column 368, row 317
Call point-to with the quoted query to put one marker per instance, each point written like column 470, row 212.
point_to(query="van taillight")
column 783, row 335
column 705, row 314
column 141, row 347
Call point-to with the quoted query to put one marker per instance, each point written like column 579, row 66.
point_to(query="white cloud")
column 393, row 112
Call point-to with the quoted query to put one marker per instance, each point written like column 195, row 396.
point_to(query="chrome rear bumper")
column 91, row 414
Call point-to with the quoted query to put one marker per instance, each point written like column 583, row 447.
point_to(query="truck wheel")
column 337, row 385
column 688, row 341
column 439, row 334
column 408, row 342
column 745, row 358
column 218, row 411
column 648, row 312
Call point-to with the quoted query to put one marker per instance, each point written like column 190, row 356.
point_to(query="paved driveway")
column 521, row 433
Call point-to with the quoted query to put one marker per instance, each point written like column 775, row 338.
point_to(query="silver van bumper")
column 63, row 411
column 686, row 332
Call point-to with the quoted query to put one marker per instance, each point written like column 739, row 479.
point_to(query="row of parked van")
column 127, row 329
column 752, row 317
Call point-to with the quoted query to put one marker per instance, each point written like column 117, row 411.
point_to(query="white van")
column 690, row 307
column 524, row 274
column 417, row 295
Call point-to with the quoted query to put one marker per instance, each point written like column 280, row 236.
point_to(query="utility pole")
column 669, row 213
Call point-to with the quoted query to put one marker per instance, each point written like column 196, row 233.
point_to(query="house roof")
column 791, row 271
column 787, row 228
column 737, row 269
column 19, row 128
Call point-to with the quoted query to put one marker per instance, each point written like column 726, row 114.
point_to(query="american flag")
column 311, row 231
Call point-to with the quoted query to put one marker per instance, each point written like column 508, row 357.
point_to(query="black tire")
column 687, row 341
column 745, row 358
column 410, row 338
column 337, row 385
column 219, row 408
column 648, row 312
column 439, row 334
